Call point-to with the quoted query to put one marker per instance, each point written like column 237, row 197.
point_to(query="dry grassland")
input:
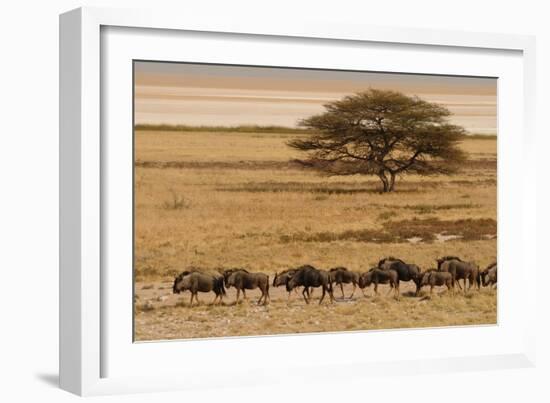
column 234, row 200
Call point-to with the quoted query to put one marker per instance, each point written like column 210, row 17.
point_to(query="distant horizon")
column 188, row 94
column 241, row 128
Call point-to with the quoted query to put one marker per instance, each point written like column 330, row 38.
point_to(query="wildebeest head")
column 231, row 279
column 482, row 277
column 175, row 286
column 294, row 280
column 227, row 273
column 365, row 279
column 178, row 285
column 282, row 277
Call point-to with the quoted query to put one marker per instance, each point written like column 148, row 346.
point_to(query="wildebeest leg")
column 322, row 295
column 262, row 296
column 376, row 288
column 244, row 293
column 304, row 292
column 197, row 298
column 353, row 291
column 341, row 289
column 238, row 294
column 455, row 280
column 191, row 300
column 431, row 289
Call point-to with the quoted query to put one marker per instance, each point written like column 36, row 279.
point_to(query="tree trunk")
column 388, row 184
column 384, row 180
column 391, row 184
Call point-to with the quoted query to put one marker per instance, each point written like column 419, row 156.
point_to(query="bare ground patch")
column 427, row 230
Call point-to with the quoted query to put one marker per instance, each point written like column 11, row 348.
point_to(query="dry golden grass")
column 235, row 201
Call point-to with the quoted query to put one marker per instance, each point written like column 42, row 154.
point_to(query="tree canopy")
column 382, row 133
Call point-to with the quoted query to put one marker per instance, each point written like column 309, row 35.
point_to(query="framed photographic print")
column 261, row 194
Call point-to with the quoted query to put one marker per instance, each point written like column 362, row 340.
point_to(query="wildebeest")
column 378, row 276
column 341, row 276
column 489, row 275
column 405, row 271
column 308, row 276
column 434, row 278
column 460, row 269
column 197, row 281
column 243, row 280
column 227, row 272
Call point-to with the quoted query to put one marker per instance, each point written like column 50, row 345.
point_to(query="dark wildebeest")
column 443, row 259
column 434, row 278
column 243, row 280
column 196, row 281
column 489, row 275
column 341, row 276
column 227, row 272
column 308, row 276
column 405, row 271
column 378, row 276
column 460, row 269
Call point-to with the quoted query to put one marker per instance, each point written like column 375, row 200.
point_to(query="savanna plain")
column 224, row 199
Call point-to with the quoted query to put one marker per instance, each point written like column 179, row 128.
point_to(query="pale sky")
column 221, row 95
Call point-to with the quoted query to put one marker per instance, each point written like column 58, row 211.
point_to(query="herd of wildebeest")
column 390, row 270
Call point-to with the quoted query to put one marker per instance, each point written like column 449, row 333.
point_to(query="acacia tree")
column 382, row 133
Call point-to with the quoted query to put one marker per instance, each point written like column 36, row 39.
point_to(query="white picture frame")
column 96, row 356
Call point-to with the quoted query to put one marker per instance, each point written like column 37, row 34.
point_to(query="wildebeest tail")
column 220, row 285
